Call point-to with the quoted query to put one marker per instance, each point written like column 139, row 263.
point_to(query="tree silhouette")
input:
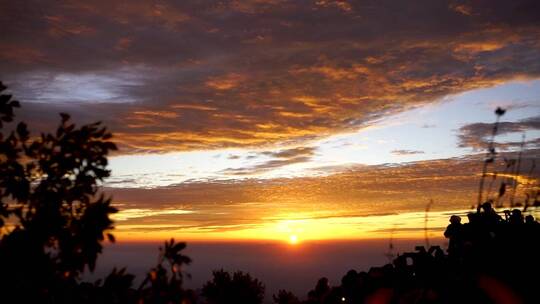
column 238, row 288
column 163, row 284
column 285, row 297
column 52, row 218
column 115, row 288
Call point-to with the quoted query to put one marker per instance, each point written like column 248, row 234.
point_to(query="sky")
column 285, row 120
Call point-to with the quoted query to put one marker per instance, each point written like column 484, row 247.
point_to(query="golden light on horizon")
column 408, row 225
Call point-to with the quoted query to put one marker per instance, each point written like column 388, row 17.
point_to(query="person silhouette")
column 454, row 232
column 516, row 217
column 489, row 216
column 529, row 219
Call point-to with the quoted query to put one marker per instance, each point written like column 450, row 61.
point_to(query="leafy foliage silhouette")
column 238, row 288
column 285, row 297
column 53, row 219
column 163, row 284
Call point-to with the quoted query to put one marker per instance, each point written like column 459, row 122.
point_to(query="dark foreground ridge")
column 53, row 221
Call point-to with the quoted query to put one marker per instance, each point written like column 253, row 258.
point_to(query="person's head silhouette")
column 455, row 219
column 487, row 207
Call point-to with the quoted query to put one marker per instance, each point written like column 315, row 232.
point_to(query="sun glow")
column 293, row 239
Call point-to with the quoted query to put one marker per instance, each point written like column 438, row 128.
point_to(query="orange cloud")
column 226, row 82
column 340, row 4
column 21, row 55
column 301, row 79
column 198, row 107
column 123, row 44
column 164, row 114
column 461, row 8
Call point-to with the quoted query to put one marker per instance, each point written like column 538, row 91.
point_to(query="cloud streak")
column 278, row 159
column 477, row 135
column 407, row 152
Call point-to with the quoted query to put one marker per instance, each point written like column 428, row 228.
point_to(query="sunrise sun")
column 293, row 239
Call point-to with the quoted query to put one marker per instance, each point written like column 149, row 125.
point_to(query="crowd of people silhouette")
column 489, row 259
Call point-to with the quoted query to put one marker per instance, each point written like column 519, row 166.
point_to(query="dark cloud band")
column 184, row 75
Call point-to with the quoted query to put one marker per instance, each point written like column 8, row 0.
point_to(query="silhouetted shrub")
column 238, row 288
column 53, row 220
column 285, row 297
column 164, row 282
